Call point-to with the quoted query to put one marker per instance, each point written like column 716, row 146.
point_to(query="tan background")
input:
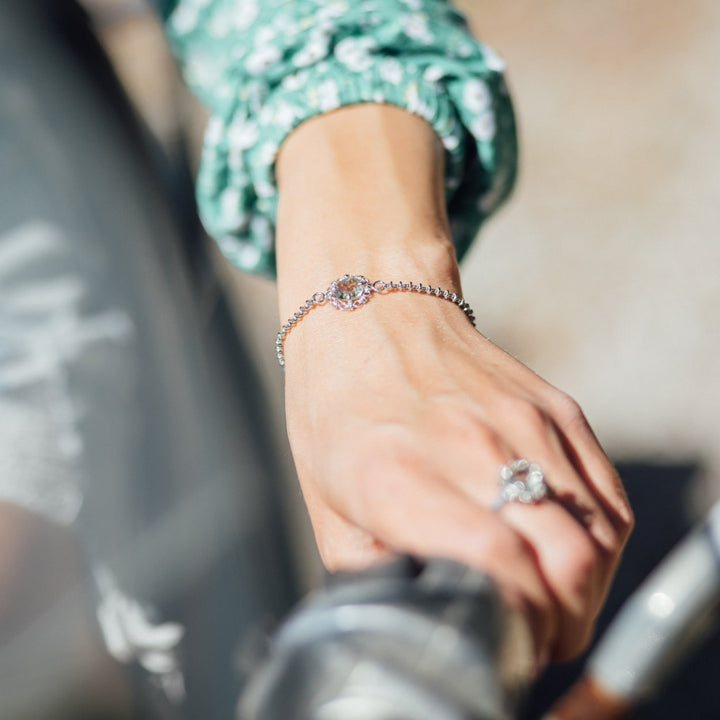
column 603, row 272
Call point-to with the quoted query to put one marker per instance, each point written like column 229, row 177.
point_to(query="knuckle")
column 625, row 523
column 358, row 482
column 618, row 509
column 380, row 481
column 457, row 424
column 331, row 558
column 459, row 419
column 629, row 521
column 381, row 484
column 530, row 416
column 612, row 543
column 499, row 545
column 568, row 412
column 624, row 515
column 579, row 562
column 482, row 435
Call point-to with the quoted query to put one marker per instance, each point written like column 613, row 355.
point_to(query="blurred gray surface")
column 129, row 410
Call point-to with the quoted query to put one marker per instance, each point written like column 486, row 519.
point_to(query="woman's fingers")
column 444, row 524
column 583, row 449
column 401, row 507
column 537, row 438
column 575, row 546
column 522, row 386
column 576, row 537
column 411, row 464
column 579, row 443
column 572, row 564
column 434, row 498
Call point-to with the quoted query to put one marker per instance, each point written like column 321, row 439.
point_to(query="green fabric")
column 264, row 66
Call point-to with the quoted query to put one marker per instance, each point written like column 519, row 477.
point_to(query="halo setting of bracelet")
column 349, row 292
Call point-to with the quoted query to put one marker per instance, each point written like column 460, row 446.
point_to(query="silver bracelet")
column 351, row 291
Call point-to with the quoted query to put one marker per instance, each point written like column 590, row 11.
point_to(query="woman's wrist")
column 361, row 191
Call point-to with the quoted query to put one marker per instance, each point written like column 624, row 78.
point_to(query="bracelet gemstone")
column 350, row 292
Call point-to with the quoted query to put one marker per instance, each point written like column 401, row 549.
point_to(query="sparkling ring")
column 520, row 481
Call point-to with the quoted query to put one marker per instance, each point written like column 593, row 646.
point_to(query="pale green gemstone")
column 349, row 291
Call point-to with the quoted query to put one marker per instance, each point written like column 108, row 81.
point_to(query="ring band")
column 520, row 481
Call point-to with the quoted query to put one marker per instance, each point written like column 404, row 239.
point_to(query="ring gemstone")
column 522, row 481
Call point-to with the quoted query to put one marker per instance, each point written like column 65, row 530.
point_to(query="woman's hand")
column 400, row 413
column 400, row 416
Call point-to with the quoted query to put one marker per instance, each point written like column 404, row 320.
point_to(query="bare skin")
column 400, row 413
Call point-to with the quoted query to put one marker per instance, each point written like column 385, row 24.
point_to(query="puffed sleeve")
column 264, row 66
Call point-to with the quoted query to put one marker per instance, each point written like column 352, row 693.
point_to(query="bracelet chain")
column 351, row 291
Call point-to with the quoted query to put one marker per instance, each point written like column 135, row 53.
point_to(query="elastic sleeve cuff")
column 422, row 60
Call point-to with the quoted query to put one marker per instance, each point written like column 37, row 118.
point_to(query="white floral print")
column 325, row 95
column 220, row 25
column 295, row 81
column 262, row 230
column 231, row 208
column 451, row 142
column 391, row 70
column 411, row 96
column 354, row 53
column 214, row 131
column 262, row 58
column 415, row 26
column 266, row 34
column 476, row 96
column 245, row 13
column 492, row 59
column 242, row 133
column 332, row 9
column 316, row 49
column 184, row 19
column 267, row 152
column 483, row 127
column 285, row 114
column 433, row 73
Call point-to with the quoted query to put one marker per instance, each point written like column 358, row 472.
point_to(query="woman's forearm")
column 400, row 414
column 361, row 191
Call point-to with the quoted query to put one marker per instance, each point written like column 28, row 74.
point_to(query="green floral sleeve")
column 264, row 66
